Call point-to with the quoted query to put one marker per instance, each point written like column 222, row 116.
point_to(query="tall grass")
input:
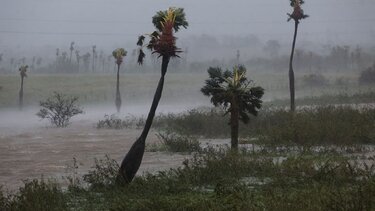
column 315, row 125
column 219, row 179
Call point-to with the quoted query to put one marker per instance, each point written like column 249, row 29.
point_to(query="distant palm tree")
column 163, row 43
column 233, row 91
column 71, row 51
column 23, row 74
column 297, row 15
column 78, row 58
column 93, row 57
column 118, row 54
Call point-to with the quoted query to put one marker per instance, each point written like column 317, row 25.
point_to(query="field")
column 284, row 163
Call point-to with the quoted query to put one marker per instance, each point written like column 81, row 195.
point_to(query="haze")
column 109, row 23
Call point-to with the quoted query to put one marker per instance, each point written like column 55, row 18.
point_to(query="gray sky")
column 119, row 22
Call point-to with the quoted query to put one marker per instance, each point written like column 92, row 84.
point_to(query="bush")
column 318, row 125
column 367, row 76
column 38, row 195
column 114, row 122
column 59, row 108
column 104, row 173
column 178, row 143
column 198, row 122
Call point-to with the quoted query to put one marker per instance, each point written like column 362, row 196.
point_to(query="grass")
column 313, row 126
column 138, row 88
column 95, row 88
column 114, row 122
column 178, row 143
column 219, row 179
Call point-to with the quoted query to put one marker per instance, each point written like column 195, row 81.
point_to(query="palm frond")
column 140, row 41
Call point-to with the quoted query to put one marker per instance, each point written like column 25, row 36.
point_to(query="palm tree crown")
column 229, row 86
column 23, row 70
column 119, row 54
column 298, row 13
column 162, row 41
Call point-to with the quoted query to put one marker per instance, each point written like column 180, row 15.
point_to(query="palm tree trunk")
column 21, row 95
column 118, row 96
column 234, row 123
column 133, row 158
column 291, row 72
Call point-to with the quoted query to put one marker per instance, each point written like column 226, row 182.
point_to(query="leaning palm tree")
column 163, row 43
column 23, row 74
column 233, row 91
column 118, row 54
column 297, row 15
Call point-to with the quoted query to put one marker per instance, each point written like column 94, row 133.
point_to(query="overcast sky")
column 119, row 22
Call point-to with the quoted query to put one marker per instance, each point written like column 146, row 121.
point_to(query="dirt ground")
column 30, row 148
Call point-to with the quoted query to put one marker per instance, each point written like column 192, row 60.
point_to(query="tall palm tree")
column 297, row 15
column 163, row 43
column 71, row 51
column 93, row 57
column 233, row 91
column 78, row 58
column 23, row 74
column 118, row 54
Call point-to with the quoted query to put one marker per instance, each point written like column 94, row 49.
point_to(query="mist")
column 25, row 24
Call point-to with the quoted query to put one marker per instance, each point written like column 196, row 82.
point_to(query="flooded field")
column 31, row 148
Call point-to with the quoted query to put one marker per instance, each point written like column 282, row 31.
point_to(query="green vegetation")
column 114, row 122
column 59, row 108
column 218, row 179
column 315, row 125
column 177, row 143
column 236, row 94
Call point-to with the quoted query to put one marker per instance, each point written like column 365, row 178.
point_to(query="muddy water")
column 30, row 148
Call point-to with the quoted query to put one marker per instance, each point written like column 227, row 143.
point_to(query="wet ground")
column 30, row 148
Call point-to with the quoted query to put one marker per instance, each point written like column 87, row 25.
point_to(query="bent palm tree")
column 23, row 74
column 163, row 43
column 232, row 90
column 118, row 54
column 297, row 15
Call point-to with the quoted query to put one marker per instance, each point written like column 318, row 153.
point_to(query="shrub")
column 178, row 143
column 3, row 198
column 367, row 76
column 104, row 173
column 317, row 125
column 114, row 122
column 59, row 108
column 39, row 195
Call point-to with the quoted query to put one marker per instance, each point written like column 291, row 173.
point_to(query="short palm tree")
column 23, row 74
column 233, row 91
column 297, row 15
column 163, row 43
column 118, row 54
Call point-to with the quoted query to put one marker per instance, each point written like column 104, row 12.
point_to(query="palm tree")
column 163, row 43
column 93, row 57
column 71, row 51
column 23, row 74
column 78, row 58
column 233, row 91
column 297, row 15
column 118, row 54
